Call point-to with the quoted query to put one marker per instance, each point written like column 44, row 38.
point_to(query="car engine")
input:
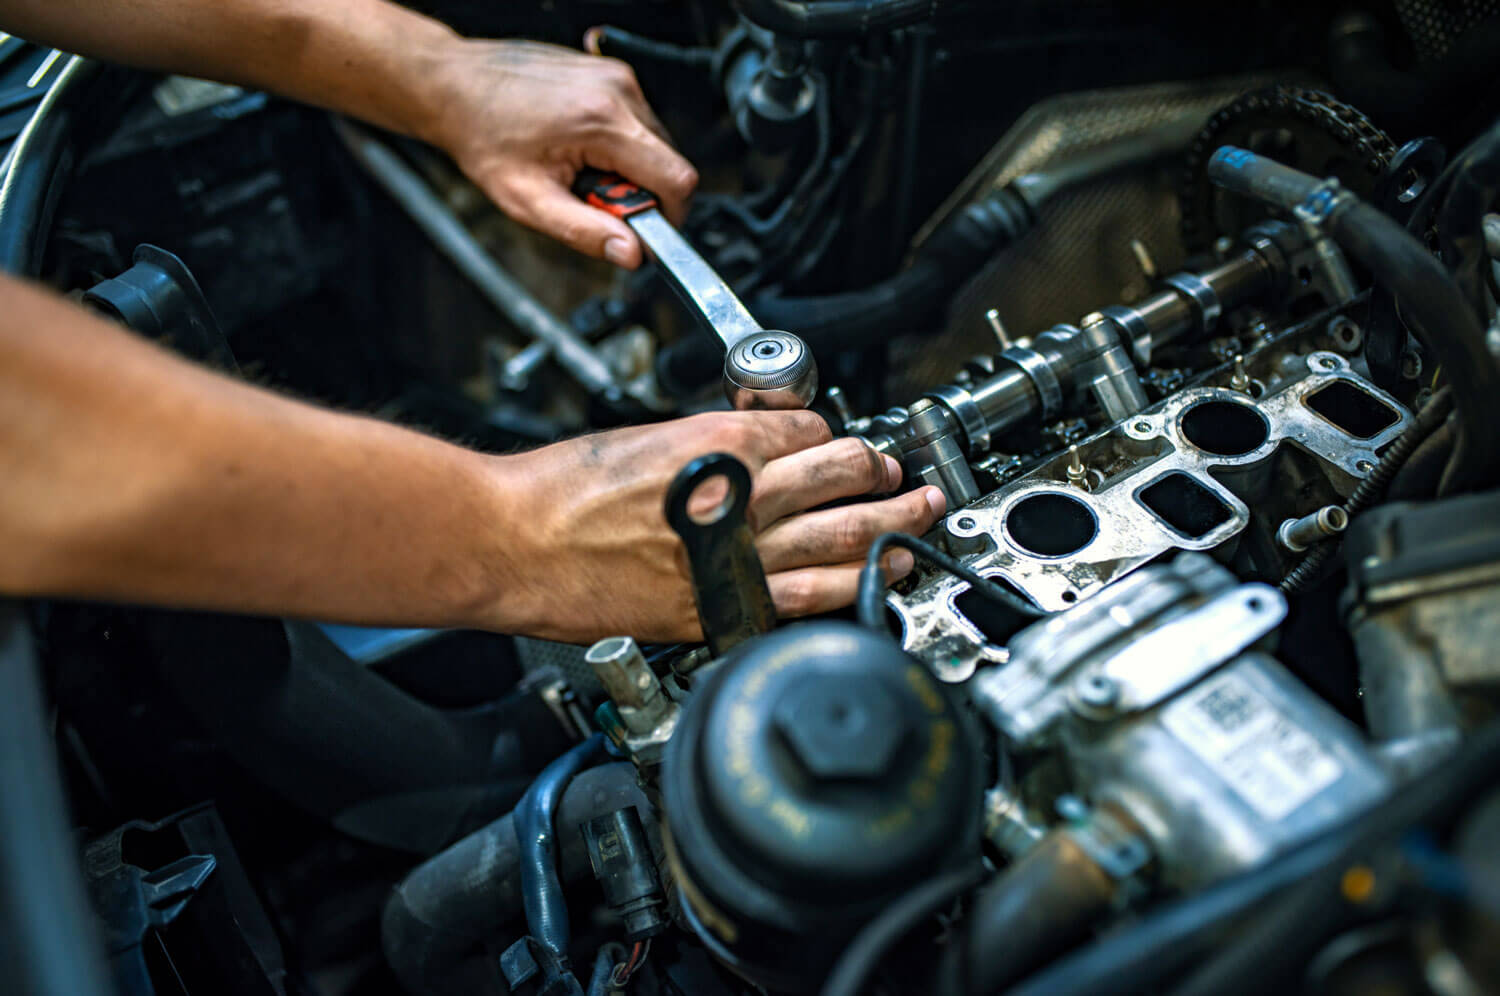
column 1190, row 314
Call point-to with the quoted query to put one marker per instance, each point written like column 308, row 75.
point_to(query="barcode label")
column 1269, row 761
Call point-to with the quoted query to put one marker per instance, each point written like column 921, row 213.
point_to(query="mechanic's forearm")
column 367, row 58
column 129, row 474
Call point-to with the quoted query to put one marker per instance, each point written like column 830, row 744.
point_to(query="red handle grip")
column 613, row 193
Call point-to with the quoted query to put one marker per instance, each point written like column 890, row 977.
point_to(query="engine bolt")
column 1078, row 474
column 1097, row 691
column 1239, row 380
column 998, row 327
column 1143, row 259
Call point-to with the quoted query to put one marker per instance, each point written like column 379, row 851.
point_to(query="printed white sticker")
column 1272, row 763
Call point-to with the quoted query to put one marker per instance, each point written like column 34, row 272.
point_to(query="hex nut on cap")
column 835, row 734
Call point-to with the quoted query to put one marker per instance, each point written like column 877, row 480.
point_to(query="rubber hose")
column 38, row 170
column 1437, row 311
column 1042, row 905
column 1418, row 480
column 863, row 955
column 443, row 919
column 1460, row 221
column 541, row 891
column 50, row 941
column 636, row 48
column 834, row 18
column 870, row 594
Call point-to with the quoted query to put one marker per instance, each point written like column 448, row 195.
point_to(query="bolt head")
column 1097, row 691
column 836, row 730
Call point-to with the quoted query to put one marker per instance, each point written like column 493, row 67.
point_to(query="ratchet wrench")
column 763, row 368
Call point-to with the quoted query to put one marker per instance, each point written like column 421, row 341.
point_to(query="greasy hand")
column 521, row 119
column 597, row 558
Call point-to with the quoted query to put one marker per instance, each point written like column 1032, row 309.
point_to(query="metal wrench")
column 762, row 368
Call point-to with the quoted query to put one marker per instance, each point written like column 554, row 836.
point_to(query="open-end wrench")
column 762, row 368
column 729, row 583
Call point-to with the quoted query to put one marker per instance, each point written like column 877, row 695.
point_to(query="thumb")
column 543, row 203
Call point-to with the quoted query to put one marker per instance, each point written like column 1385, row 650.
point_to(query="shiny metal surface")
column 1158, row 708
column 762, row 368
column 768, row 369
column 1132, row 456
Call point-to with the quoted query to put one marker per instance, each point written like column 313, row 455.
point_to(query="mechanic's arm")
column 519, row 118
column 128, row 473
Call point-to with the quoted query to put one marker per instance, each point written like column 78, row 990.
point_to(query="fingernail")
column 617, row 251
column 892, row 473
column 936, row 501
column 901, row 563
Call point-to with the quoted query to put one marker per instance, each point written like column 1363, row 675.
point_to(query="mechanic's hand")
column 521, row 119
column 598, row 558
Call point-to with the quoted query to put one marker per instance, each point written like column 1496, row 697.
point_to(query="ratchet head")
column 770, row 369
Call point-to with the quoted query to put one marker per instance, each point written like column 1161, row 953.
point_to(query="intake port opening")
column 1185, row 504
column 1051, row 524
column 1352, row 410
column 997, row 622
column 1224, row 428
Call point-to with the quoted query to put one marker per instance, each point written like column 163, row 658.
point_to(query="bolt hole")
column 965, row 523
column 711, row 500
column 1070, row 596
column 1254, row 604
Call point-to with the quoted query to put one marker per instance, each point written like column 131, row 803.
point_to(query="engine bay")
column 1191, row 316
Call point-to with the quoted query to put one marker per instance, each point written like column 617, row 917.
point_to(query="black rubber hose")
column 541, row 889
column 1373, row 488
column 1155, row 949
column 39, row 166
column 870, row 599
column 835, row 18
column 634, row 48
column 49, row 941
column 1040, row 906
column 1418, row 479
column 862, row 957
column 446, row 917
column 1474, row 182
column 1431, row 302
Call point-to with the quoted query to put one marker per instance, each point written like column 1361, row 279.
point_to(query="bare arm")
column 520, row 118
column 127, row 473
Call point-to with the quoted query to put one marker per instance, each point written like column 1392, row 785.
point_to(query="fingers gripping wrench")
column 762, row 368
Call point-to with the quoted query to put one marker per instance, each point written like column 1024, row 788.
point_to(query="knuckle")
column 798, row 594
column 620, row 74
column 853, row 534
column 860, row 462
column 596, row 110
column 686, row 180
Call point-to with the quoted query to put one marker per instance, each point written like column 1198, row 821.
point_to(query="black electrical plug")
column 623, row 864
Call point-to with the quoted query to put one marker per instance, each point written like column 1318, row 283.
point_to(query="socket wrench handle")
column 762, row 368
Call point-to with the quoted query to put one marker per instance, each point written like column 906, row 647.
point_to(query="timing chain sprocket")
column 1305, row 129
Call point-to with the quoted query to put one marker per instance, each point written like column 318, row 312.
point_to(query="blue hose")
column 541, row 890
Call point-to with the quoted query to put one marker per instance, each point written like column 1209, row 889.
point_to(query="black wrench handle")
column 729, row 582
